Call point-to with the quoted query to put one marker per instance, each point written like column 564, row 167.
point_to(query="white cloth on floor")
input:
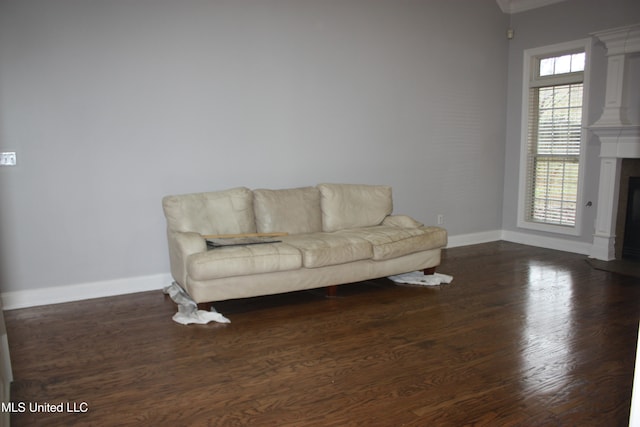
column 419, row 278
column 188, row 309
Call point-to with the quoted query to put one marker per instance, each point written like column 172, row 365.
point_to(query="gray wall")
column 112, row 104
column 561, row 22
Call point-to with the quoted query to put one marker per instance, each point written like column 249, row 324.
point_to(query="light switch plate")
column 8, row 158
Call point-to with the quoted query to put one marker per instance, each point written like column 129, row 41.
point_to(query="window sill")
column 549, row 228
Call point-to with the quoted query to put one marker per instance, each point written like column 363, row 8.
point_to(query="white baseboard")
column 474, row 238
column 547, row 242
column 522, row 238
column 59, row 294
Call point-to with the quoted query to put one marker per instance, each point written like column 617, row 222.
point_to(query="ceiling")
column 514, row 6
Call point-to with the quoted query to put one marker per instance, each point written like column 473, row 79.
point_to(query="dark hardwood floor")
column 522, row 336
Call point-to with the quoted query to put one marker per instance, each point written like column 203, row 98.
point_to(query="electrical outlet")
column 8, row 158
column 440, row 219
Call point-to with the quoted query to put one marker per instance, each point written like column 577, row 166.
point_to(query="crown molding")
column 515, row 6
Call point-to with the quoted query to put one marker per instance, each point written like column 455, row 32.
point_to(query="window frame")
column 531, row 79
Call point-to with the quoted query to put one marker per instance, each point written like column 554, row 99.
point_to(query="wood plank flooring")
column 523, row 336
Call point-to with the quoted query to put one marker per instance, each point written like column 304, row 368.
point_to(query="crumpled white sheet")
column 188, row 312
column 419, row 278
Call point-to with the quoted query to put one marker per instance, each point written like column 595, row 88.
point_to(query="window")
column 552, row 139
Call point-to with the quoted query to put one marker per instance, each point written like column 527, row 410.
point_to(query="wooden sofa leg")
column 332, row 290
column 206, row 306
column 429, row 271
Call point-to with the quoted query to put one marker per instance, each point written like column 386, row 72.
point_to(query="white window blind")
column 554, row 152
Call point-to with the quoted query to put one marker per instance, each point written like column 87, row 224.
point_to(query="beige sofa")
column 337, row 234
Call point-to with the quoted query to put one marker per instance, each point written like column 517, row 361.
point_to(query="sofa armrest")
column 181, row 246
column 404, row 221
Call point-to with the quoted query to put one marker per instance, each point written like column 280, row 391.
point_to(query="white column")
column 621, row 43
column 615, row 107
column 604, row 238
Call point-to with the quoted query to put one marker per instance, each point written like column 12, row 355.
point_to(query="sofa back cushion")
column 295, row 210
column 354, row 205
column 219, row 212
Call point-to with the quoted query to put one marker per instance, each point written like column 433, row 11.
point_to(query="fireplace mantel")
column 619, row 142
column 618, row 132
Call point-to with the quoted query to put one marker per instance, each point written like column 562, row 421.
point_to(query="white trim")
column 621, row 40
column 59, row 294
column 515, row 6
column 603, row 248
column 474, row 238
column 556, row 243
column 530, row 56
column 634, row 415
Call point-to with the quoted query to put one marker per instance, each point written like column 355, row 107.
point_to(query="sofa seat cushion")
column 243, row 260
column 391, row 242
column 323, row 249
